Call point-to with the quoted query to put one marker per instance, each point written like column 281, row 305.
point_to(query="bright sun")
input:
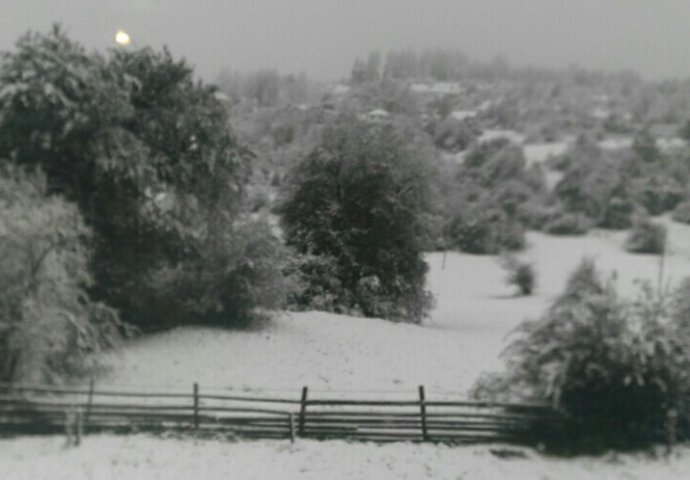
column 122, row 38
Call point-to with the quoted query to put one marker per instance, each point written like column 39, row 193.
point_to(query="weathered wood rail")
column 40, row 408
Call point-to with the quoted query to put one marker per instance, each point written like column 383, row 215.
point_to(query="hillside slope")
column 464, row 336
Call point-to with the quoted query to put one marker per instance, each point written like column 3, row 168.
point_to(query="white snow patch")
column 540, row 152
column 671, row 144
column 440, row 88
column 616, row 143
column 463, row 114
column 491, row 134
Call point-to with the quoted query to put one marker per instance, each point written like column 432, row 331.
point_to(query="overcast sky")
column 322, row 37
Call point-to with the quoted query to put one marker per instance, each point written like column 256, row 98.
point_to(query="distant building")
column 376, row 116
column 438, row 88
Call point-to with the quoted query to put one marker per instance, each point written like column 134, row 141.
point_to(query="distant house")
column 667, row 138
column 437, row 88
column 463, row 114
column 376, row 116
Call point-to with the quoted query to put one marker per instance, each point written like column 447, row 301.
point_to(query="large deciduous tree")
column 144, row 150
column 360, row 200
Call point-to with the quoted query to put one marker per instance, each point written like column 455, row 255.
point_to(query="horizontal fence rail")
column 41, row 408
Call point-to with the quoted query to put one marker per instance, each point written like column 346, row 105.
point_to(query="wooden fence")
column 37, row 408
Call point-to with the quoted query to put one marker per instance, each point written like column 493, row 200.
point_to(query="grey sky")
column 322, row 37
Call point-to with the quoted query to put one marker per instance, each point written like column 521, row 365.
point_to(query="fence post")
column 89, row 402
column 422, row 407
column 78, row 428
column 196, row 405
column 303, row 411
column 291, row 419
column 671, row 424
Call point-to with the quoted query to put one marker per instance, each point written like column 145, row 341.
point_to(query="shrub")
column 646, row 237
column 510, row 195
column 241, row 278
column 658, row 193
column 49, row 329
column 612, row 368
column 233, row 282
column 520, row 274
column 682, row 212
column 482, row 229
column 589, row 181
column 535, row 215
column 566, row 223
column 317, row 286
column 618, row 213
column 645, row 146
column 680, row 309
column 453, row 135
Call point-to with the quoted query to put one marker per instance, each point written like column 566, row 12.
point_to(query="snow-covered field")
column 141, row 457
column 464, row 336
column 338, row 355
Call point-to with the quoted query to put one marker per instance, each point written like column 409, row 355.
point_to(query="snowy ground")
column 489, row 135
column 364, row 357
column 540, row 152
column 139, row 457
column 464, row 336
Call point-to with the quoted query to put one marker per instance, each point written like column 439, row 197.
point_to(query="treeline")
column 268, row 88
column 444, row 65
column 541, row 103
column 453, row 65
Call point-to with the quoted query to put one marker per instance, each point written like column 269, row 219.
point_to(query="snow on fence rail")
column 40, row 408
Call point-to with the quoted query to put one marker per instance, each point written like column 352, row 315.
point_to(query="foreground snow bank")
column 135, row 457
